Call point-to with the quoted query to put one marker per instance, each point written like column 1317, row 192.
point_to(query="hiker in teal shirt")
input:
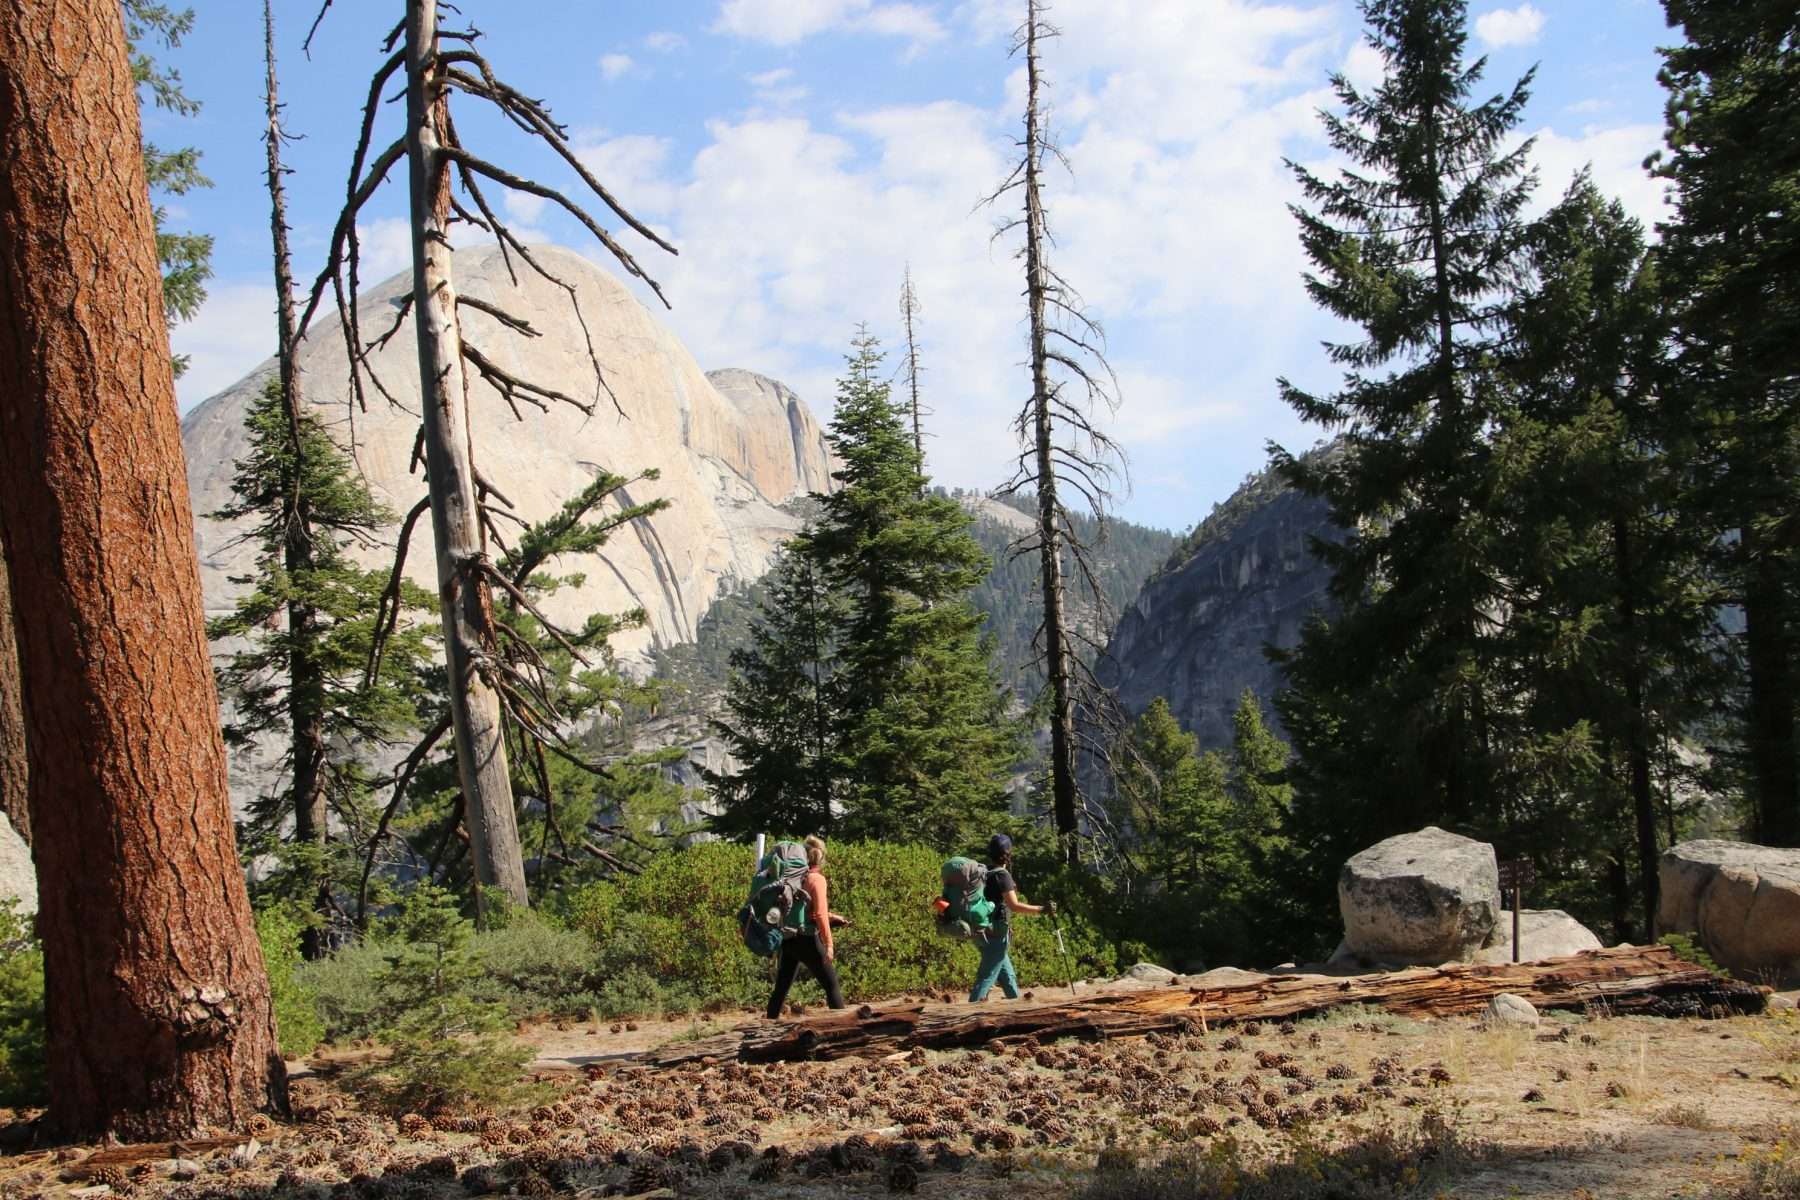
column 995, row 943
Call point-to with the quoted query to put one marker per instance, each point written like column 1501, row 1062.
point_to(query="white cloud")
column 1616, row 158
column 615, row 66
column 232, row 333
column 523, row 208
column 1510, row 26
column 791, row 230
column 784, row 22
column 777, row 88
column 1363, row 66
column 665, row 42
column 386, row 247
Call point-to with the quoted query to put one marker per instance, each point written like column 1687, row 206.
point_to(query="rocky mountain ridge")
column 1245, row 578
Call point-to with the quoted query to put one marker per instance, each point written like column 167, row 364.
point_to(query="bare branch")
column 387, row 612
column 531, row 187
column 401, row 781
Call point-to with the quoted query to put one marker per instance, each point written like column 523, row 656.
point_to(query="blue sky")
column 801, row 152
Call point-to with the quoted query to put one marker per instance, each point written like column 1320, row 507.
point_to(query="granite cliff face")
column 1196, row 632
column 732, row 447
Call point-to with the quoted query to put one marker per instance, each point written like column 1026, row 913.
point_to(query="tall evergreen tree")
column 925, row 747
column 873, row 639
column 158, row 1011
column 1732, row 264
column 1392, row 703
column 1609, row 606
column 781, row 703
column 186, row 258
column 308, row 623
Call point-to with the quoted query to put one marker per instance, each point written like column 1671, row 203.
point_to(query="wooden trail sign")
column 1515, row 876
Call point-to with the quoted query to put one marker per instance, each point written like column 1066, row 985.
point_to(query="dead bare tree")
column 909, row 314
column 1062, row 451
column 462, row 520
column 306, row 684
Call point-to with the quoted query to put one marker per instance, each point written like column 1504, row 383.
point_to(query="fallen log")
column 1627, row 979
column 143, row 1152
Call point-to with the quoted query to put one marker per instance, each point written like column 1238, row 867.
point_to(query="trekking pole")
column 1068, row 967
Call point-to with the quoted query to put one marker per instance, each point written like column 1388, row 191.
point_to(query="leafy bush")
column 22, row 1068
column 448, row 1048
column 345, row 987
column 675, row 926
column 536, row 969
column 297, row 1020
column 1687, row 946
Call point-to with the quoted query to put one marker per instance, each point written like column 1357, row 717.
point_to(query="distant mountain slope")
column 1124, row 558
column 1242, row 579
column 1008, row 596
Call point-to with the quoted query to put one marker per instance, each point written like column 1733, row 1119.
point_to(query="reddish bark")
column 160, row 1022
column 12, row 716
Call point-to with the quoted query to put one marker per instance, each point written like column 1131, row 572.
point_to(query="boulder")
column 1742, row 900
column 18, row 879
column 1543, row 933
column 1150, row 973
column 1508, row 1009
column 1420, row 899
column 1225, row 977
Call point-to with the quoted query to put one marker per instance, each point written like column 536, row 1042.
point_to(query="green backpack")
column 777, row 902
column 970, row 913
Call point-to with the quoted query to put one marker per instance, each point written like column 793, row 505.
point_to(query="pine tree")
column 1732, row 265
column 1175, row 802
column 447, row 1047
column 924, row 747
column 157, row 1003
column 868, row 704
column 781, row 709
column 310, row 626
column 1393, row 701
column 186, row 258
column 1609, row 607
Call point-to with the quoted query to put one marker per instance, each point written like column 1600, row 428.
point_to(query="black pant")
column 797, row 948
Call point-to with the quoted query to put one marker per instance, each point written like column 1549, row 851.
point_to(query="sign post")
column 1515, row 876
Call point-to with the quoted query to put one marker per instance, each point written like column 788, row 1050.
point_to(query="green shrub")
column 297, row 1022
column 345, row 987
column 675, row 925
column 446, row 1047
column 535, row 969
column 1687, row 946
column 22, row 1069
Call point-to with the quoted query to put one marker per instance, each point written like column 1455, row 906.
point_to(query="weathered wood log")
column 1628, row 979
column 143, row 1152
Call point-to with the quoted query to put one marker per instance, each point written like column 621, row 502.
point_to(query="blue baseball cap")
column 999, row 846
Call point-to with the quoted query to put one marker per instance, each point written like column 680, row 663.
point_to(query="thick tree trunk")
column 159, row 1016
column 469, row 634
column 1636, row 979
column 306, row 682
column 13, row 771
column 1769, row 655
column 1637, row 727
column 1057, row 650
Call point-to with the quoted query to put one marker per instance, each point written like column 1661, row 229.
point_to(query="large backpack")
column 969, row 912
column 777, row 902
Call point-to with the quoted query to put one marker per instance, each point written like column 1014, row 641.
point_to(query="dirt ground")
column 1582, row 1107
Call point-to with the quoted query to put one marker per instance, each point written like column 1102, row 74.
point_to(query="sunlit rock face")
column 731, row 448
